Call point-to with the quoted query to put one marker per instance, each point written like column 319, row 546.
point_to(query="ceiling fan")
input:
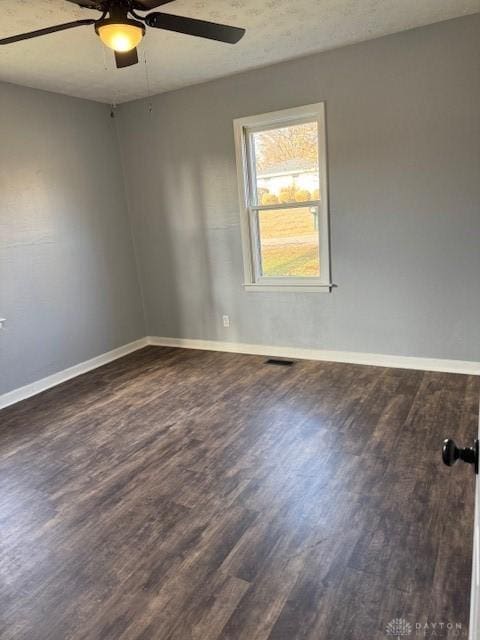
column 121, row 28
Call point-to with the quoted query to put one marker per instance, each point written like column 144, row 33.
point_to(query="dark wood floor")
column 195, row 495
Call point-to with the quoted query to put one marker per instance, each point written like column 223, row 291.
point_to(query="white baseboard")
column 11, row 397
column 353, row 357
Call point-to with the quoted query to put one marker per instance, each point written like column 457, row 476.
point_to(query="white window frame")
column 249, row 208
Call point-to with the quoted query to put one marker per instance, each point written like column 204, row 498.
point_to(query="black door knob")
column 451, row 453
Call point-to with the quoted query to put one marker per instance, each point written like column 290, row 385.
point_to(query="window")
column 281, row 164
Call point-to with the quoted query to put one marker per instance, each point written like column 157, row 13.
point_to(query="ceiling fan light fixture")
column 122, row 35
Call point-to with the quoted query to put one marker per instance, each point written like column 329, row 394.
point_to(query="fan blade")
column 193, row 27
column 126, row 58
column 44, row 32
column 148, row 5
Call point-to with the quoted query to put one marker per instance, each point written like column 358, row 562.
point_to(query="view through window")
column 286, row 170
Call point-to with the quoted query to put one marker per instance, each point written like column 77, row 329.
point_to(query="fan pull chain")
column 113, row 104
column 147, row 79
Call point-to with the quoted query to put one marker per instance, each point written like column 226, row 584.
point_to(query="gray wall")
column 404, row 148
column 68, row 283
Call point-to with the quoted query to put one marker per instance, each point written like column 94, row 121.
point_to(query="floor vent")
column 280, row 362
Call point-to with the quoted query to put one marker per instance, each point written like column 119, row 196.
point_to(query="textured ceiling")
column 75, row 63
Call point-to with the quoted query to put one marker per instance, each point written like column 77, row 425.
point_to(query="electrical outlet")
column 226, row 321
column 2, row 323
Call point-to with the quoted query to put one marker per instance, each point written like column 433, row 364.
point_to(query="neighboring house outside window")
column 282, row 174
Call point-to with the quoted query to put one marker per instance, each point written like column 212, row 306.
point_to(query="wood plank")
column 192, row 495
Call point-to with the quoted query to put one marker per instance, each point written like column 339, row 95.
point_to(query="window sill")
column 298, row 288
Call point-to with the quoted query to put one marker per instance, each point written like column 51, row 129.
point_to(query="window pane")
column 289, row 242
column 286, row 164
